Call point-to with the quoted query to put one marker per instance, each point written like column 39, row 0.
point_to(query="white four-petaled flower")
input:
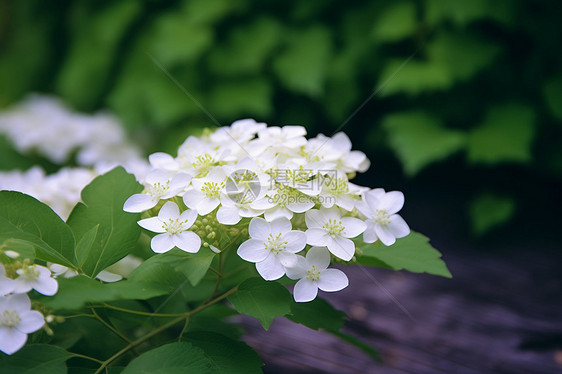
column 173, row 228
column 37, row 277
column 272, row 246
column 383, row 223
column 16, row 321
column 327, row 227
column 313, row 274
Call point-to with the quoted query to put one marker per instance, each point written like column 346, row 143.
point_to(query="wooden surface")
column 501, row 313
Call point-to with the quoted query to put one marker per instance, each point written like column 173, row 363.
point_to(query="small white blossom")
column 272, row 246
column 16, row 321
column 37, row 277
column 205, row 195
column 327, row 227
column 383, row 223
column 160, row 185
column 313, row 274
column 174, row 229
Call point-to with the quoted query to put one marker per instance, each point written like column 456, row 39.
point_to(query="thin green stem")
column 86, row 357
column 164, row 327
column 184, row 328
column 113, row 329
column 138, row 312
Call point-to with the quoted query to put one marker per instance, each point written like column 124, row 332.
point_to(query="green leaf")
column 489, row 210
column 412, row 253
column 302, row 66
column 506, row 135
column 35, row 359
column 250, row 96
column 372, row 352
column 226, row 355
column 395, row 22
column 317, row 314
column 552, row 91
column 102, row 207
column 462, row 12
column 27, row 221
column 193, row 265
column 413, row 77
column 174, row 358
column 101, row 30
column 262, row 300
column 75, row 292
column 419, row 139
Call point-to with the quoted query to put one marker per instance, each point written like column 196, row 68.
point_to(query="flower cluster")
column 17, row 278
column 46, row 126
column 292, row 196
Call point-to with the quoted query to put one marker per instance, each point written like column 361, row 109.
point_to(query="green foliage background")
column 467, row 105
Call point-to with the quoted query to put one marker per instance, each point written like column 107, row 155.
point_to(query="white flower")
column 313, row 274
column 326, row 227
column 61, row 271
column 159, row 185
column 282, row 139
column 173, row 227
column 16, row 321
column 340, row 192
column 205, row 195
column 37, row 277
column 6, row 284
column 383, row 223
column 272, row 246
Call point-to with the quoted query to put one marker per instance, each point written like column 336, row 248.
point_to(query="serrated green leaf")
column 174, row 358
column 419, row 139
column 35, row 359
column 193, row 265
column 317, row 314
column 301, row 67
column 490, row 210
column 412, row 253
column 226, row 355
column 506, row 135
column 25, row 220
column 102, row 206
column 397, row 21
column 262, row 300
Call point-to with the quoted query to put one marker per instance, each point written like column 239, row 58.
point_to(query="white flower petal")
column 139, row 203
column 364, row 208
column 207, row 205
column 46, row 286
column 31, row 321
column 298, row 271
column 153, row 224
column 370, row 235
column 301, row 206
column 332, row 280
column 228, row 216
column 314, row 219
column 392, row 202
column 287, row 259
column 190, row 216
column 384, row 234
column 161, row 160
column 259, row 228
column 193, row 198
column 353, row 227
column 6, row 285
column 305, row 290
column 108, row 277
column 11, row 340
column 162, row 243
column 372, row 198
column 253, row 250
column 398, row 227
column 187, row 241
column 342, row 248
column 277, row 212
column 22, row 285
column 280, row 226
column 317, row 237
column 296, row 241
column 18, row 302
column 319, row 257
column 170, row 210
column 270, row 268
